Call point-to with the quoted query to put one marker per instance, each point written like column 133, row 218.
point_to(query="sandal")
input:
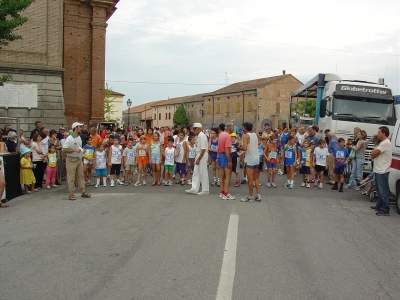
column 86, row 195
column 3, row 205
column 365, row 193
column 72, row 197
column 237, row 183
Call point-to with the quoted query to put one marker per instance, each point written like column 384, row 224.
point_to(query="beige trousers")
column 74, row 172
column 331, row 167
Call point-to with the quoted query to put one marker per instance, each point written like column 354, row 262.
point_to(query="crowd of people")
column 183, row 155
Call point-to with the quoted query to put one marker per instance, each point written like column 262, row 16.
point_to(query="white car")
column 394, row 175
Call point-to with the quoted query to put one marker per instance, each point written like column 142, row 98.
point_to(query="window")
column 238, row 107
column 248, row 106
column 159, row 116
column 208, row 109
column 217, row 110
column 169, row 116
column 228, row 108
column 278, row 108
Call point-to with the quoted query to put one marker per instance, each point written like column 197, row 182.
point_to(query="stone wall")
column 50, row 110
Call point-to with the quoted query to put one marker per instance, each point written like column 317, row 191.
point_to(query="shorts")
column 115, row 169
column 87, row 162
column 191, row 167
column 271, row 165
column 222, row 160
column 251, row 167
column 341, row 170
column 319, row 168
column 260, row 166
column 305, row 170
column 101, row 172
column 142, row 160
column 213, row 158
column 155, row 158
column 181, row 168
column 168, row 168
column 130, row 167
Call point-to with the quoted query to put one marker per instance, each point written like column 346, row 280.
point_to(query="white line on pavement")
column 225, row 286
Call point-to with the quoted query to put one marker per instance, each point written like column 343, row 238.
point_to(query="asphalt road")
column 161, row 243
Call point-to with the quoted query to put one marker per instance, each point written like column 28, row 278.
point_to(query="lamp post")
column 129, row 103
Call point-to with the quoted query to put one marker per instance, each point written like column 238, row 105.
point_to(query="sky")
column 162, row 49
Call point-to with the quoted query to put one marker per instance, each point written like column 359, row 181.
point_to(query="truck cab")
column 394, row 175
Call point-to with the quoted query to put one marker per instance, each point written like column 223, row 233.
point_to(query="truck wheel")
column 398, row 202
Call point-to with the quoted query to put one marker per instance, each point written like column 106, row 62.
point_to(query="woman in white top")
column 250, row 145
column 37, row 159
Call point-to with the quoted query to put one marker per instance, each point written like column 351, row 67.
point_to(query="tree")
column 180, row 118
column 311, row 106
column 108, row 104
column 9, row 20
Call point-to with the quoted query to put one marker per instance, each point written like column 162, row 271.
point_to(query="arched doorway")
column 266, row 121
column 208, row 124
column 216, row 123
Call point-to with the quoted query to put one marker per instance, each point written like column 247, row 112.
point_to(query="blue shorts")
column 222, row 160
column 101, row 172
column 155, row 158
column 213, row 156
column 341, row 170
column 271, row 165
column 180, row 168
column 251, row 167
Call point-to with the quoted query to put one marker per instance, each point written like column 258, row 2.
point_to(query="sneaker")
column 56, row 186
column 247, row 199
column 221, row 195
column 170, row 183
column 108, row 176
column 341, row 189
column 382, row 213
column 126, row 183
column 280, row 172
column 308, row 185
column 334, row 188
column 268, row 185
column 165, row 183
column 183, row 182
column 291, row 186
column 286, row 185
column 257, row 198
column 315, row 184
column 218, row 183
column 112, row 183
column 244, row 181
column 303, row 184
column 91, row 183
column 97, row 185
column 173, row 177
column 105, row 185
column 191, row 191
column 320, row 186
column 144, row 182
column 189, row 182
column 203, row 193
column 119, row 182
column 48, row 187
column 273, row 185
column 179, row 182
column 260, row 184
column 311, row 181
column 228, row 197
column 214, row 183
column 137, row 183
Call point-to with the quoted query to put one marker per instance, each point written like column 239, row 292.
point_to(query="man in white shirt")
column 73, row 148
column 382, row 156
column 200, row 172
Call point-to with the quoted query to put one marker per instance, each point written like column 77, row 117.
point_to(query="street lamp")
column 129, row 103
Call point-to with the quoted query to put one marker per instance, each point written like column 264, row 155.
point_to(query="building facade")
column 62, row 50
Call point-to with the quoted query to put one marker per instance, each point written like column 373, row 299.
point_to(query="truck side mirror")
column 322, row 108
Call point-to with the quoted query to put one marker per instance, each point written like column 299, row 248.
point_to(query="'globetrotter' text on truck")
column 344, row 102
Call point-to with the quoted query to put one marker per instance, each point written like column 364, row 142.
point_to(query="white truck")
column 344, row 102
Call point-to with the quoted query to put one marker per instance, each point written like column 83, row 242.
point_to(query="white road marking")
column 225, row 286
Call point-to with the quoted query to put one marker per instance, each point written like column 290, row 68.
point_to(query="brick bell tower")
column 85, row 23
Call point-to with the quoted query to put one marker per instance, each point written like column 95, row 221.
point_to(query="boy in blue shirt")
column 341, row 156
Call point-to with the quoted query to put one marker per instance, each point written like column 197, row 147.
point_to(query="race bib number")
column 305, row 155
column 288, row 154
column 192, row 153
column 340, row 155
column 214, row 147
column 116, row 153
column 130, row 155
column 142, row 152
column 272, row 155
column 321, row 156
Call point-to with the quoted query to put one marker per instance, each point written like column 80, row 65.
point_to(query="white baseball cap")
column 197, row 125
column 76, row 124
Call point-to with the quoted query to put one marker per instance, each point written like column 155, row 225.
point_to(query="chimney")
column 283, row 72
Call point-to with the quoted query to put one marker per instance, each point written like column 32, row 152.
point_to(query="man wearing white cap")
column 73, row 148
column 200, row 172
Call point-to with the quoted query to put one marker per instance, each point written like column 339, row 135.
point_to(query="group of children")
column 177, row 156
